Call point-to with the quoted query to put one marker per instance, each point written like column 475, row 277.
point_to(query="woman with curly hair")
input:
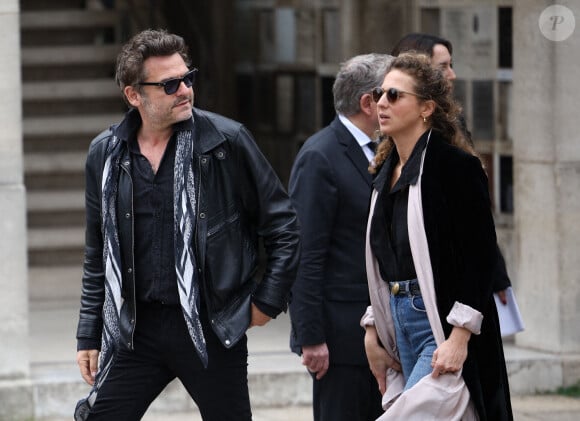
column 432, row 332
column 440, row 52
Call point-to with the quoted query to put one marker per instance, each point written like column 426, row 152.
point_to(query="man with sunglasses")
column 176, row 200
column 330, row 186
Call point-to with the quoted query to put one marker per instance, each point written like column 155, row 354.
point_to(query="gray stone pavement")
column 526, row 408
column 280, row 388
column 294, row 413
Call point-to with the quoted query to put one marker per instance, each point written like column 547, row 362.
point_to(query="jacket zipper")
column 195, row 237
column 134, row 313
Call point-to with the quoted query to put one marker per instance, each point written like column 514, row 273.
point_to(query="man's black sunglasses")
column 172, row 85
column 393, row 94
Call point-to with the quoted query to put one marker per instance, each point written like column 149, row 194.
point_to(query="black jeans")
column 163, row 351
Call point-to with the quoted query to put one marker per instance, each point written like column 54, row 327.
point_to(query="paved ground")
column 526, row 408
column 272, row 414
column 53, row 345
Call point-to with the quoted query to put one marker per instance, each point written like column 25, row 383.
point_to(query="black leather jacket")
column 240, row 199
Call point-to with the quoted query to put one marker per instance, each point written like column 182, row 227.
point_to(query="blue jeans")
column 415, row 338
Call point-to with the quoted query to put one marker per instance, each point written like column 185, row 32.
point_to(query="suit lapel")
column 352, row 150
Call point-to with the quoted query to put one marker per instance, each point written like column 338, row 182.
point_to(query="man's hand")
column 379, row 359
column 316, row 359
column 88, row 364
column 258, row 318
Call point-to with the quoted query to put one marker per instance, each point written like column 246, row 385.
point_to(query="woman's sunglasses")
column 393, row 94
column 172, row 85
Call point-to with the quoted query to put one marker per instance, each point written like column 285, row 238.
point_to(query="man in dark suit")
column 330, row 188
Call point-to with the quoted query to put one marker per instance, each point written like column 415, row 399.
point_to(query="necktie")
column 373, row 146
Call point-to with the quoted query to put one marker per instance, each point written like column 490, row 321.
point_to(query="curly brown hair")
column 431, row 84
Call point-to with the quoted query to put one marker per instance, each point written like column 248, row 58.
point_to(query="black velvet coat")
column 463, row 249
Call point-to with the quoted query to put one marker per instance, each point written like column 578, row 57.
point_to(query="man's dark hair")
column 148, row 43
column 421, row 43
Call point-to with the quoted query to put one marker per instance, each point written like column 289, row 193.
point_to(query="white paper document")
column 510, row 319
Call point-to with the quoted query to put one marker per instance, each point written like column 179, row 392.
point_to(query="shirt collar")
column 360, row 136
column 410, row 172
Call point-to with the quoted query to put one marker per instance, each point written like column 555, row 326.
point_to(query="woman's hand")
column 451, row 354
column 379, row 359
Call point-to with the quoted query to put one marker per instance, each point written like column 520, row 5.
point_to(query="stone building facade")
column 514, row 60
column 270, row 64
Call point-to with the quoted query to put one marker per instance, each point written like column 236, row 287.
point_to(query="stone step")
column 68, row 27
column 68, row 98
column 52, row 208
column 56, row 392
column 276, row 377
column 53, row 284
column 54, row 181
column 83, row 127
column 69, row 55
column 51, row 4
column 68, row 62
column 57, row 162
column 43, row 201
column 55, row 246
column 67, row 19
column 54, row 171
column 43, row 238
column 70, row 133
column 66, row 90
column 55, row 142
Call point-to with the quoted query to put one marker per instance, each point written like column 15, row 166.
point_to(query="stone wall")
column 15, row 393
column 547, row 174
column 13, row 274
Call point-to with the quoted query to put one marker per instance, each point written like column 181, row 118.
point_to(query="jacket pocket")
column 232, row 322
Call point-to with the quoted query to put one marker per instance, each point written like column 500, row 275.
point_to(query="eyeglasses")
column 393, row 94
column 172, row 85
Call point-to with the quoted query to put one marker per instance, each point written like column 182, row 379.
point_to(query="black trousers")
column 164, row 351
column 346, row 393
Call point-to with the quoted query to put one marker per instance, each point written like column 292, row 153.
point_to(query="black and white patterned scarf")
column 184, row 207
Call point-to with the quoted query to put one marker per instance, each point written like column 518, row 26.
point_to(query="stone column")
column 546, row 95
column 15, row 391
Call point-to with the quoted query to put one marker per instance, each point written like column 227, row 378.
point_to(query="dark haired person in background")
column 438, row 49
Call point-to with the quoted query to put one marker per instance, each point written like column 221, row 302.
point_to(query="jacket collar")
column 353, row 149
column 212, row 137
column 127, row 128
